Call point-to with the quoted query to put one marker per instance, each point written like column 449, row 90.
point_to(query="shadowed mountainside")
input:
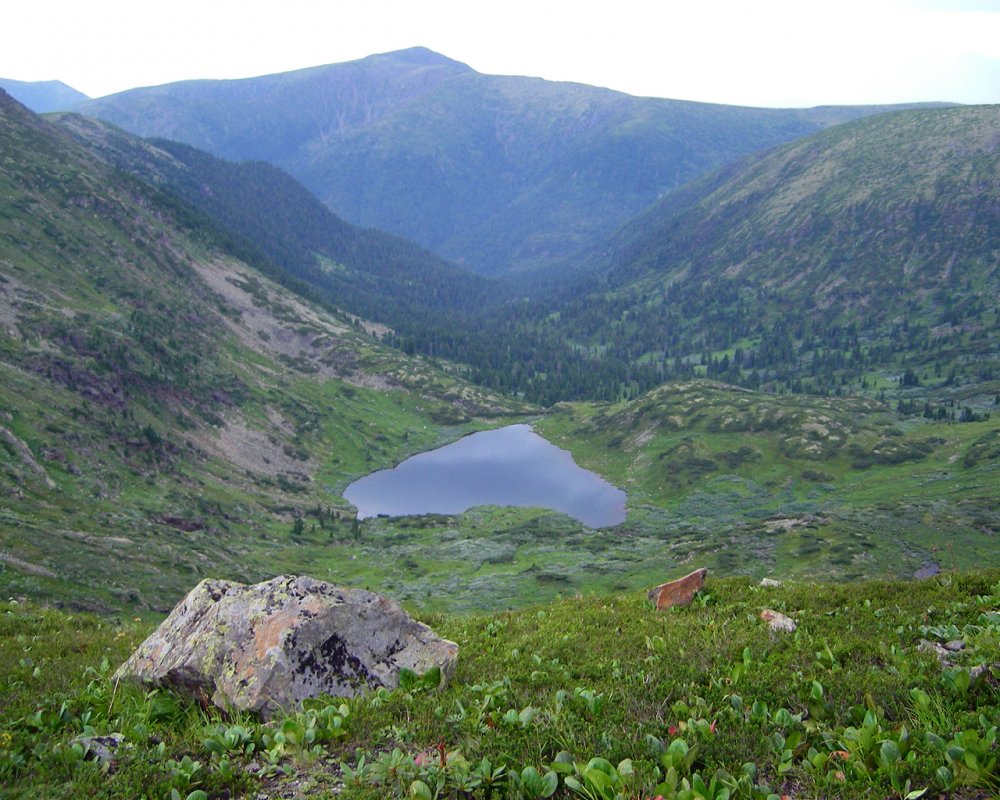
column 274, row 222
column 497, row 173
column 868, row 249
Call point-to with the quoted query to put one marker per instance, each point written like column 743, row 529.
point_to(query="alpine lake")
column 510, row 466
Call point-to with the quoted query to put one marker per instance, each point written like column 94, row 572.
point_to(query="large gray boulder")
column 267, row 647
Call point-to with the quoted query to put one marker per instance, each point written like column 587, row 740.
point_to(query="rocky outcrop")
column 928, row 570
column 943, row 655
column 679, row 592
column 267, row 647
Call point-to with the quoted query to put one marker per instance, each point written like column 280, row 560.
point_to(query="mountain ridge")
column 168, row 409
column 43, row 96
column 365, row 271
column 430, row 306
column 498, row 173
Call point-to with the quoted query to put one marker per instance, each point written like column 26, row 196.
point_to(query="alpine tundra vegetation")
column 777, row 331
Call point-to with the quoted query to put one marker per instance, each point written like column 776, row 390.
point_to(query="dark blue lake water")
column 511, row 466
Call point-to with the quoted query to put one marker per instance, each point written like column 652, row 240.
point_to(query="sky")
column 772, row 53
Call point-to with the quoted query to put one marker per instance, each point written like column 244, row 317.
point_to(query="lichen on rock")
column 268, row 647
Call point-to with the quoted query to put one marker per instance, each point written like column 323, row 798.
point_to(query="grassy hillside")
column 432, row 307
column 166, row 409
column 496, row 173
column 755, row 483
column 169, row 411
column 860, row 259
column 595, row 697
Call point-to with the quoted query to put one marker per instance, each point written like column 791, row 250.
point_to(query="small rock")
column 954, row 646
column 679, row 592
column 928, row 570
column 770, row 582
column 54, row 454
column 101, row 748
column 936, row 650
column 777, row 621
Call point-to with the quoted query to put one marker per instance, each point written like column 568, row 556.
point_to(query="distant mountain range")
column 496, row 173
column 43, row 96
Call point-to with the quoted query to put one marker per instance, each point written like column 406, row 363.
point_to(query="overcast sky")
column 778, row 53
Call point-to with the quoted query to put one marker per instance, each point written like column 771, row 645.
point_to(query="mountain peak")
column 43, row 96
column 419, row 56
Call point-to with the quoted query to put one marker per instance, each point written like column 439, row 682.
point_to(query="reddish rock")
column 678, row 592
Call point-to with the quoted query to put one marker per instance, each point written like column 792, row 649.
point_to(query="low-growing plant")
column 534, row 785
column 226, row 740
column 644, row 718
column 410, row 681
column 598, row 779
column 393, row 771
column 972, row 757
column 184, row 774
column 678, row 760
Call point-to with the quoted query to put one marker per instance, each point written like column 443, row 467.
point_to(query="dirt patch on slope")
column 26, row 566
column 255, row 450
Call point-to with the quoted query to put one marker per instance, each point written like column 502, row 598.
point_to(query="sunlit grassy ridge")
column 847, row 706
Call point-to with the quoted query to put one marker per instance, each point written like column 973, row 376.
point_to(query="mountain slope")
column 42, row 96
column 169, row 412
column 432, row 307
column 277, row 222
column 747, row 482
column 496, row 173
column 166, row 409
column 870, row 246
